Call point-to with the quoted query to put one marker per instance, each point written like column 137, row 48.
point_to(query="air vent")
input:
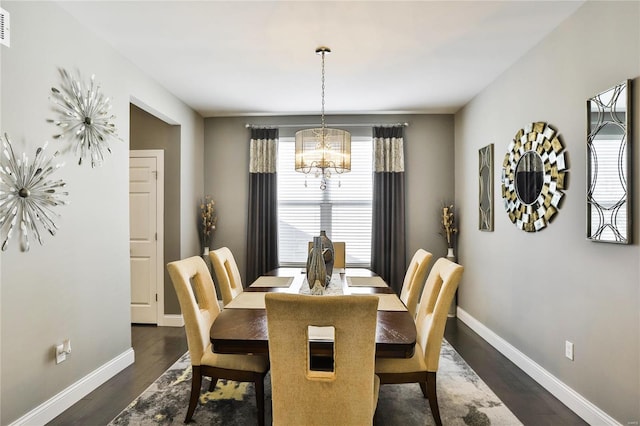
column 5, row 37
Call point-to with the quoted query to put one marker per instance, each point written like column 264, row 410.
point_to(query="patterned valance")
column 388, row 149
column 263, row 150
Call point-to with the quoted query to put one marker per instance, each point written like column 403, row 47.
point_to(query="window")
column 344, row 211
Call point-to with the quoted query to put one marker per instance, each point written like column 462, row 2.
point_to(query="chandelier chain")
column 322, row 113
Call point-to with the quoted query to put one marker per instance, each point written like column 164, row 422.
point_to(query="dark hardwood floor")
column 156, row 348
column 530, row 402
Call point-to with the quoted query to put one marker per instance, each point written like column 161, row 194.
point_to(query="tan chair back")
column 227, row 273
column 339, row 254
column 346, row 395
column 431, row 319
column 414, row 280
column 198, row 302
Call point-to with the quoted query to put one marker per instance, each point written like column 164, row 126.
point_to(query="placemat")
column 390, row 302
column 357, row 272
column 248, row 300
column 365, row 282
column 266, row 281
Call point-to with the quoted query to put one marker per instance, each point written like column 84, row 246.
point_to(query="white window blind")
column 344, row 211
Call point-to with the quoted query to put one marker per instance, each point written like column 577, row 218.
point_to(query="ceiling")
column 226, row 58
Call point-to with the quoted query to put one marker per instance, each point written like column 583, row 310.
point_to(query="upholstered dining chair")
column 344, row 393
column 339, row 254
column 414, row 280
column 227, row 273
column 199, row 304
column 431, row 319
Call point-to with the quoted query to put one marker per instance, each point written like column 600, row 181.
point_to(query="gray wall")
column 149, row 132
column 428, row 164
column 77, row 284
column 536, row 290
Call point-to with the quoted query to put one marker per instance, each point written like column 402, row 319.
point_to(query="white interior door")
column 145, row 220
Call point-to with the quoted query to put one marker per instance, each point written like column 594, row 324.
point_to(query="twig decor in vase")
column 449, row 226
column 207, row 223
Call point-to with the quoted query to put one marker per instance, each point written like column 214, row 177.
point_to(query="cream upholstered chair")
column 431, row 319
column 227, row 273
column 199, row 305
column 414, row 280
column 339, row 254
column 348, row 393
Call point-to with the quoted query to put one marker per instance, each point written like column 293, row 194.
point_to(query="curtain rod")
column 249, row 125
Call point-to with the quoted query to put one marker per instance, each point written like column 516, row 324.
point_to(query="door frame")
column 159, row 155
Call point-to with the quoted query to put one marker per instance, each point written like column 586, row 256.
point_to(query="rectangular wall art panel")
column 608, row 165
column 485, row 194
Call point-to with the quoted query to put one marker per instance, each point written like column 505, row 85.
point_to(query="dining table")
column 241, row 327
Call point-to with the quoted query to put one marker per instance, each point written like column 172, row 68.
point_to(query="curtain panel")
column 388, row 149
column 388, row 245
column 262, row 223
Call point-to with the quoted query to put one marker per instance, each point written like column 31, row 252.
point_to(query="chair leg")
column 259, row 385
column 196, row 383
column 433, row 397
column 212, row 385
column 423, row 387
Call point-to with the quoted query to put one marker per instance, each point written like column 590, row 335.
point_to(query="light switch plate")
column 568, row 349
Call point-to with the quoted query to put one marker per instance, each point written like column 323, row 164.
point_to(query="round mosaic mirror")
column 534, row 173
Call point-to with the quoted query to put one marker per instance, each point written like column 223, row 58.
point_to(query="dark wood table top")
column 244, row 330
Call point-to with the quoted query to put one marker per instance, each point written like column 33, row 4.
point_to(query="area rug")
column 463, row 397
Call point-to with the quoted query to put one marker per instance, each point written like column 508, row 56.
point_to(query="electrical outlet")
column 62, row 350
column 66, row 346
column 61, row 355
column 568, row 349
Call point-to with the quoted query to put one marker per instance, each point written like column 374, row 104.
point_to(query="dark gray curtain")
column 262, row 224
column 388, row 251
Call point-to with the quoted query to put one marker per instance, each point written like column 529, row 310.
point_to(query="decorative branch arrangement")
column 448, row 224
column 84, row 117
column 207, row 221
column 27, row 196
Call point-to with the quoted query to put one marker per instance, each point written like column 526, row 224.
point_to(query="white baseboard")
column 572, row 399
column 51, row 408
column 172, row 320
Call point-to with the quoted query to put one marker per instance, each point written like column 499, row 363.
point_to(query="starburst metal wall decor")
column 27, row 195
column 84, row 117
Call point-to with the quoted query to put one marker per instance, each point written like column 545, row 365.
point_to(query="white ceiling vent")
column 5, row 37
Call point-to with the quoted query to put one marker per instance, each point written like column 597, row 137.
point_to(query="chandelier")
column 323, row 150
